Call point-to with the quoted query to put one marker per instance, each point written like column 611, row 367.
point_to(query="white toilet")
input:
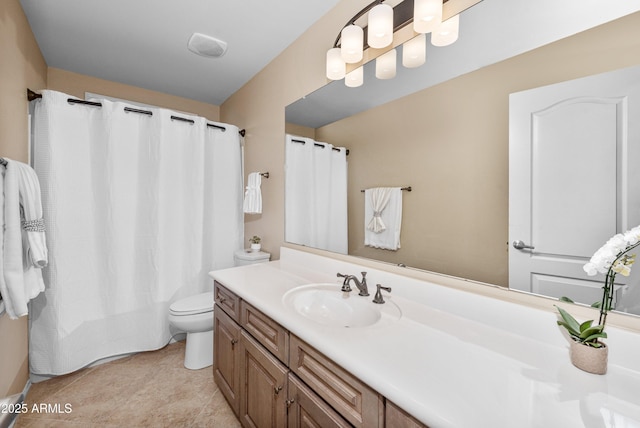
column 194, row 316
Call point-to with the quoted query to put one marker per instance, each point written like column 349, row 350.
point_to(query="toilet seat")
column 197, row 304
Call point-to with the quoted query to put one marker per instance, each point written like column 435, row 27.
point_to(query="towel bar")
column 408, row 189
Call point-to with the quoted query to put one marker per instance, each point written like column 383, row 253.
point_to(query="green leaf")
column 596, row 305
column 585, row 325
column 573, row 333
column 566, row 299
column 590, row 332
column 592, row 340
column 570, row 322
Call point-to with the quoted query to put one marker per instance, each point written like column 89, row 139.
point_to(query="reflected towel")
column 20, row 280
column 253, row 196
column 389, row 218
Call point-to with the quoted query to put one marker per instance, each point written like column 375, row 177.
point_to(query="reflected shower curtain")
column 138, row 209
column 316, row 194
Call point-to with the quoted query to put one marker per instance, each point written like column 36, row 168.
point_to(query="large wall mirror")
column 447, row 136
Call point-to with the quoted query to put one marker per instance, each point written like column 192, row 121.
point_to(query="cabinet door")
column 307, row 409
column 398, row 418
column 264, row 386
column 226, row 357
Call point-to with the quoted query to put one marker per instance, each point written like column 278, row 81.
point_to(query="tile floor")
column 150, row 389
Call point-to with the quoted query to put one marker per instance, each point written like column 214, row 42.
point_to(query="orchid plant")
column 611, row 259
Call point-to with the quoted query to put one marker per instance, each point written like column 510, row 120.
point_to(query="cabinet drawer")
column 270, row 334
column 227, row 300
column 355, row 401
column 307, row 409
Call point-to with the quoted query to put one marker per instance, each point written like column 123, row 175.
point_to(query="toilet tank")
column 248, row 257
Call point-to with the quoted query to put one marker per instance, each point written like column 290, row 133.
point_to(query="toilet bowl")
column 194, row 316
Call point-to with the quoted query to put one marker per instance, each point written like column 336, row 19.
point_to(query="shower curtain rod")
column 31, row 95
column 318, row 145
column 408, row 189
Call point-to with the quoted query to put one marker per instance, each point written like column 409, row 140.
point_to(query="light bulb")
column 427, row 15
column 380, row 26
column 447, row 33
column 414, row 51
column 336, row 66
column 354, row 78
column 386, row 65
column 351, row 41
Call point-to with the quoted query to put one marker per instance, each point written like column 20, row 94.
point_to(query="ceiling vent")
column 207, row 46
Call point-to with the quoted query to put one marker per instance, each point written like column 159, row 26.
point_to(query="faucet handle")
column 378, row 297
column 345, row 284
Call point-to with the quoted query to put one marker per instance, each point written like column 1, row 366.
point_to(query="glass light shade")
column 351, row 41
column 386, row 65
column 336, row 67
column 414, row 51
column 427, row 15
column 354, row 78
column 447, row 33
column 380, row 26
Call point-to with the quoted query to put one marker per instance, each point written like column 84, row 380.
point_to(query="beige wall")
column 22, row 66
column 451, row 146
column 457, row 138
column 259, row 108
column 77, row 84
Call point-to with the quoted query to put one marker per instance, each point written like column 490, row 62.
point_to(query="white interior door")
column 573, row 180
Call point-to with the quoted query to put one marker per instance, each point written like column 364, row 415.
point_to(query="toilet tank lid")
column 252, row 255
column 197, row 303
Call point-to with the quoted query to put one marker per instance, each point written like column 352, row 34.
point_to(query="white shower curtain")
column 138, row 209
column 316, row 194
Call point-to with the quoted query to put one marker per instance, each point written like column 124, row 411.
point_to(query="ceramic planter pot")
column 588, row 358
column 255, row 247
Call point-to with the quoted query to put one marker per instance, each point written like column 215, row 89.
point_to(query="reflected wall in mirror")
column 450, row 143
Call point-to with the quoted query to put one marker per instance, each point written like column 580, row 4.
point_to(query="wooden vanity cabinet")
column 271, row 378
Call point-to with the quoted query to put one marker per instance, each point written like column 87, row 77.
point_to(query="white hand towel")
column 379, row 198
column 390, row 217
column 252, row 195
column 35, row 243
column 21, row 281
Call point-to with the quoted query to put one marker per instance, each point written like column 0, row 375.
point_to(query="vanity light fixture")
column 375, row 27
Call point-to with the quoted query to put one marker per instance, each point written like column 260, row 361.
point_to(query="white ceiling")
column 144, row 43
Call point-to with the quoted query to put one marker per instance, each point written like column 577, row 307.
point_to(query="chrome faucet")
column 362, row 285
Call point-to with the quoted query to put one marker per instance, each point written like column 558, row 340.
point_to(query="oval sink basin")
column 327, row 305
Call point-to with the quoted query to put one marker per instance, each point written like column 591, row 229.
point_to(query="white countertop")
column 454, row 359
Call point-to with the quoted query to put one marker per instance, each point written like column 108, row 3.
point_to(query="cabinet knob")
column 234, row 341
column 277, row 390
column 290, row 402
column 222, row 299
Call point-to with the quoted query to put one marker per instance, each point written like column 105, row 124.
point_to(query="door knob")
column 519, row 245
